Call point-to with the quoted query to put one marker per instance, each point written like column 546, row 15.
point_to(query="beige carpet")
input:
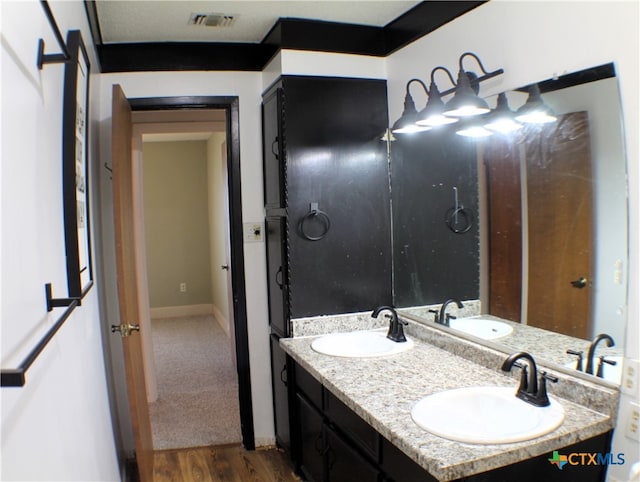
column 197, row 385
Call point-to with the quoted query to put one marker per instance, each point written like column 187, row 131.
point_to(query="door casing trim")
column 230, row 104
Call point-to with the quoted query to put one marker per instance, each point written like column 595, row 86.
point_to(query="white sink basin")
column 484, row 328
column 610, row 373
column 359, row 344
column 485, row 415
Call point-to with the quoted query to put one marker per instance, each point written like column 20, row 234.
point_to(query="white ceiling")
column 168, row 20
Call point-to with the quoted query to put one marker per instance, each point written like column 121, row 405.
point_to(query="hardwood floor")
column 227, row 463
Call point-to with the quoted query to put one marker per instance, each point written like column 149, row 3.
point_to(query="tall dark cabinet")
column 327, row 208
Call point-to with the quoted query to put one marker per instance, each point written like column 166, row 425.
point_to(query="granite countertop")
column 544, row 344
column 383, row 390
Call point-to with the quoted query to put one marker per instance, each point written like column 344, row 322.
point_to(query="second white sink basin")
column 484, row 328
column 359, row 344
column 485, row 415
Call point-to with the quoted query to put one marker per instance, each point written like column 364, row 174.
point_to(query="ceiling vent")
column 212, row 19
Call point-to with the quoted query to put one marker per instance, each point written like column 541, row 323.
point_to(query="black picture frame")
column 75, row 168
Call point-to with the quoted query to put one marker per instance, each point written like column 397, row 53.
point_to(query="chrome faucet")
column 396, row 331
column 533, row 388
column 592, row 350
column 442, row 317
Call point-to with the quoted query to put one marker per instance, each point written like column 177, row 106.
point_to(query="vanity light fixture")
column 406, row 124
column 534, row 110
column 433, row 113
column 473, row 128
column 502, row 118
column 465, row 102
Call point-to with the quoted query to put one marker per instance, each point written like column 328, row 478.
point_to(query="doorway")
column 193, row 398
column 192, row 109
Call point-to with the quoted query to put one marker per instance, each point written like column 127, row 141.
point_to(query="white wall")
column 247, row 86
column 58, row 426
column 218, row 220
column 534, row 41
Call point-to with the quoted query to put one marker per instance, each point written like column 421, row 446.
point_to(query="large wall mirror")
column 530, row 227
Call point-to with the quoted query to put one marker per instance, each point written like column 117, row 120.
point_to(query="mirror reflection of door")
column 554, row 167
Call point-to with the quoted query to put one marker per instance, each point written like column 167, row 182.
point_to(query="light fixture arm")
column 424, row 86
column 485, row 75
column 440, row 67
column 433, row 80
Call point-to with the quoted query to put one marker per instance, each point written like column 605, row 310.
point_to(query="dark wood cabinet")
column 328, row 453
column 326, row 175
column 280, row 376
column 339, row 446
column 344, row 463
column 277, row 274
column 327, row 207
column 272, row 151
column 311, row 440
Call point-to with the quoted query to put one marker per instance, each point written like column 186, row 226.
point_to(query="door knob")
column 579, row 283
column 225, row 266
column 125, row 329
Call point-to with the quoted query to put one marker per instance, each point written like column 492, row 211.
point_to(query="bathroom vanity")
column 351, row 417
column 330, row 180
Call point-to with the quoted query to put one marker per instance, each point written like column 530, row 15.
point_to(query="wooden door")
column 127, row 283
column 504, row 210
column 560, row 227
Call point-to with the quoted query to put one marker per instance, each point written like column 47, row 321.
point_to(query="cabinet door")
column 277, row 279
column 279, row 381
column 312, row 446
column 272, row 150
column 336, row 160
column 344, row 464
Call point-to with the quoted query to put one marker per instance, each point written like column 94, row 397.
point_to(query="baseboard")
column 186, row 310
column 265, row 442
column 220, row 318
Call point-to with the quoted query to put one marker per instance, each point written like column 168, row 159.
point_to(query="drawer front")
column 312, row 444
column 344, row 464
column 398, row 467
column 309, row 386
column 359, row 431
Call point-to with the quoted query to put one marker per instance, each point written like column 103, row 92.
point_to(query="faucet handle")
column 447, row 319
column 603, row 360
column 545, row 376
column 541, row 398
column 579, row 354
column 435, row 315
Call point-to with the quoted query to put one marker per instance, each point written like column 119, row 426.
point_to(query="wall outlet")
column 632, row 421
column 183, row 287
column 630, row 369
column 252, row 232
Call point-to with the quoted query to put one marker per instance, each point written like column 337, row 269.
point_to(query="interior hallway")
column 197, row 401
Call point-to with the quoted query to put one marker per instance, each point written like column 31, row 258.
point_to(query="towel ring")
column 456, row 217
column 315, row 213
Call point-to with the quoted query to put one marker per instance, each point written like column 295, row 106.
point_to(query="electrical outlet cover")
column 629, row 382
column 252, row 232
column 632, row 421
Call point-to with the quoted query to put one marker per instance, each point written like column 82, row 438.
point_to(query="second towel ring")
column 314, row 212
